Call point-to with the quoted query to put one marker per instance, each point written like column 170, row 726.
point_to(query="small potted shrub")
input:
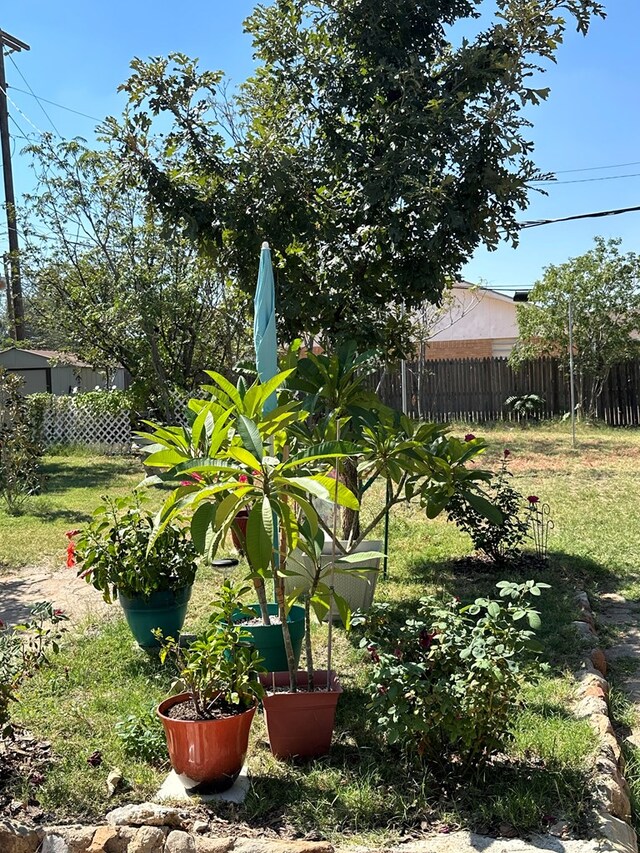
column 207, row 725
column 151, row 580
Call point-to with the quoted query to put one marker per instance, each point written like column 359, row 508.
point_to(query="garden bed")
column 363, row 789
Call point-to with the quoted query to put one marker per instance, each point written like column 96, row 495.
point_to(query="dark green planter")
column 268, row 638
column 165, row 610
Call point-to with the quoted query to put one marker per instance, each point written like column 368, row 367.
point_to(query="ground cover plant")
column 365, row 787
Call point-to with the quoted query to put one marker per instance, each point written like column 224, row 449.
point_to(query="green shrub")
column 23, row 648
column 447, row 682
column 20, row 452
column 501, row 541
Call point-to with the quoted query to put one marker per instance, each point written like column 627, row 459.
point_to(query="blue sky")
column 81, row 51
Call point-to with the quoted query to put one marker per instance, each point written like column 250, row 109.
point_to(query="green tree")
column 604, row 288
column 108, row 285
column 374, row 148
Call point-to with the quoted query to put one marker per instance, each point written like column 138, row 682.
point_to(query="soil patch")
column 186, row 711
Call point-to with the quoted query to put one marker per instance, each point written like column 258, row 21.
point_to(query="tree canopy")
column 104, row 283
column 604, row 288
column 373, row 147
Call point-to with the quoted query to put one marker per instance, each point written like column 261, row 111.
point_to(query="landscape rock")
column 591, row 679
column 602, row 724
column 179, row 842
column 599, row 660
column 269, row 845
column 621, row 836
column 16, row 838
column 589, row 706
column 147, row 839
column 145, row 814
column 77, row 838
column 200, row 826
column 585, row 630
column 614, row 797
column 213, row 845
column 54, row 844
column 101, row 838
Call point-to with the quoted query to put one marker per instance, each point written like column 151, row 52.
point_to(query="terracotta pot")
column 240, row 522
column 208, row 752
column 300, row 724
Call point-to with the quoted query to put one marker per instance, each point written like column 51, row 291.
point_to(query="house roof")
column 52, row 355
column 493, row 294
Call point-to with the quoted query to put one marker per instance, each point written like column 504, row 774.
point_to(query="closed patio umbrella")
column 264, row 323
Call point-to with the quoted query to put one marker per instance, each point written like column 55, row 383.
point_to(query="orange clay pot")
column 209, row 752
column 300, row 724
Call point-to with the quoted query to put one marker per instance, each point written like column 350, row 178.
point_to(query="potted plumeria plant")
column 257, row 461
column 151, row 576
column 207, row 724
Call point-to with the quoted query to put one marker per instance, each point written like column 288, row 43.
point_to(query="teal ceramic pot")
column 165, row 610
column 268, row 638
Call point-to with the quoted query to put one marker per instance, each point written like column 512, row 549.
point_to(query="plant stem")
column 261, row 594
column 308, row 649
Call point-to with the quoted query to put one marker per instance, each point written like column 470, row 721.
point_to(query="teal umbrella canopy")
column 264, row 323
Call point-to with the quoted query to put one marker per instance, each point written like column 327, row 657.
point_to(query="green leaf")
column 250, row 435
column 259, row 543
column 484, row 507
column 201, row 522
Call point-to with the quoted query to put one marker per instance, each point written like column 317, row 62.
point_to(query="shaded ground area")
column 20, row 590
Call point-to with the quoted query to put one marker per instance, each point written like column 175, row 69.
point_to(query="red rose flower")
column 533, row 499
column 71, row 533
column 58, row 612
column 242, row 478
column 507, row 453
column 469, row 436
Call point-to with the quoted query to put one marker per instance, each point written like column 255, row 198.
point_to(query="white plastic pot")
column 357, row 587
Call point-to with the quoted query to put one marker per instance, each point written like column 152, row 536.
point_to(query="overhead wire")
column 586, row 180
column 54, row 103
column 27, row 84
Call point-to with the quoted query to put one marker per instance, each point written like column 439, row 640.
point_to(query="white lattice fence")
column 76, row 425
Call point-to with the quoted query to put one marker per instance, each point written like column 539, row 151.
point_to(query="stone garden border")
column 610, row 787
column 152, row 828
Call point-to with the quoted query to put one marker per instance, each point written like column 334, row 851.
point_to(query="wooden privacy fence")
column 475, row 390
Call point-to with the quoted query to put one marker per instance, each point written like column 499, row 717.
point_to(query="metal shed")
column 55, row 372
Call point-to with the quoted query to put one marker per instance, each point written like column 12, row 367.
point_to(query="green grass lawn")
column 72, row 488
column 363, row 790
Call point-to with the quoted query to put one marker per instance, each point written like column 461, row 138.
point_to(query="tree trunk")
column 350, row 517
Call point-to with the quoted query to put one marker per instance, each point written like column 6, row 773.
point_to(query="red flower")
column 469, row 436
column 533, row 499
column 71, row 554
column 375, row 657
column 242, row 478
column 186, row 483
column 426, row 639
column 58, row 612
column 197, row 477
column 507, row 453
column 71, row 533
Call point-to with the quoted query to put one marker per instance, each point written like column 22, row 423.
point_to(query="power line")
column 596, row 215
column 54, row 104
column 587, row 180
column 24, row 116
column 26, row 82
column 595, row 168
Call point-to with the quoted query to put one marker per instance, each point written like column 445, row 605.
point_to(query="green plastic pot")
column 268, row 638
column 166, row 610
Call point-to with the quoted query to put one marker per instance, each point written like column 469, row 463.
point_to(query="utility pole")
column 14, row 284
